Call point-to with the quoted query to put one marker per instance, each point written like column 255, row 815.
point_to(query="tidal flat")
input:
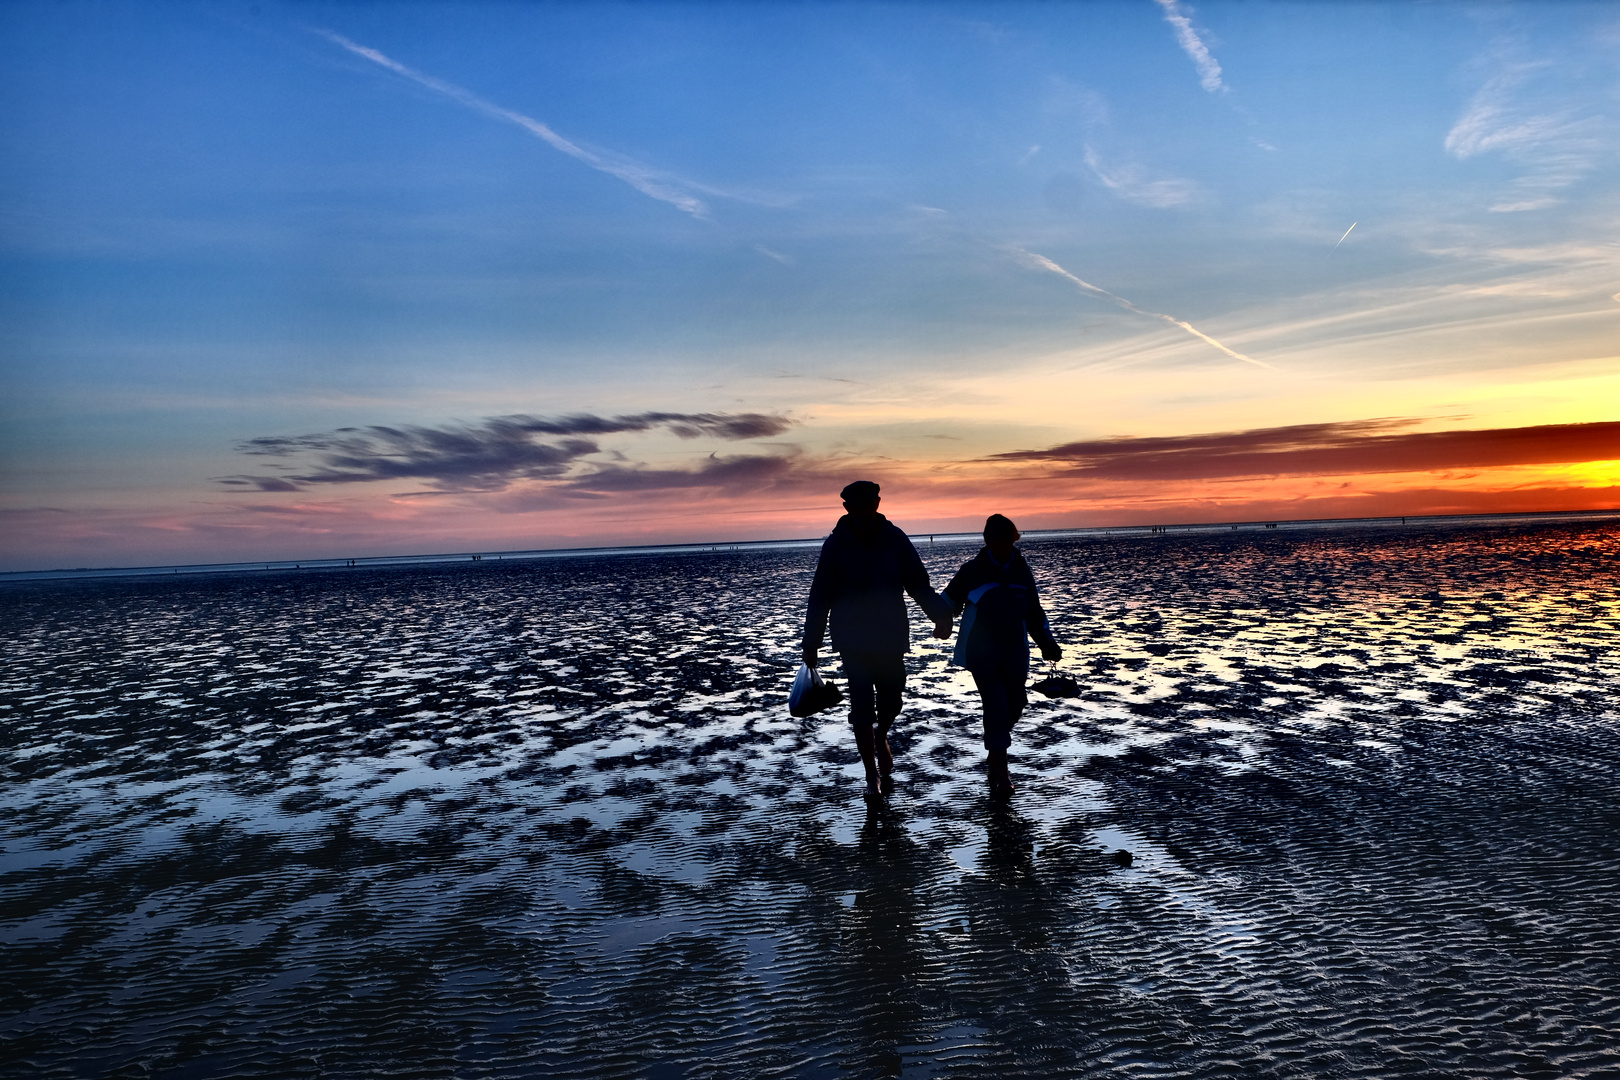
column 552, row 819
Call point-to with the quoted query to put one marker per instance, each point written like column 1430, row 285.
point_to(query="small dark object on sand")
column 1122, row 857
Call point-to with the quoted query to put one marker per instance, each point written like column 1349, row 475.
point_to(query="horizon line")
column 360, row 562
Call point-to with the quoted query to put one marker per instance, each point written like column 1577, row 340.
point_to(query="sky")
column 306, row 280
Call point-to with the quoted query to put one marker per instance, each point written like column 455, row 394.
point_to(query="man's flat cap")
column 861, row 491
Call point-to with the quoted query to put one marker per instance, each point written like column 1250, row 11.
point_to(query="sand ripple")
column 552, row 819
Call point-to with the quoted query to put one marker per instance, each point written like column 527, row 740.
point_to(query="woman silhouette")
column 995, row 594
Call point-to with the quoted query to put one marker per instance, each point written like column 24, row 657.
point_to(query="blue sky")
column 221, row 223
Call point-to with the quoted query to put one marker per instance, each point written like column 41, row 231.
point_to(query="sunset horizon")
column 323, row 281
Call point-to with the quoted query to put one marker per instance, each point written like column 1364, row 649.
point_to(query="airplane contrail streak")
column 637, row 176
column 1347, row 232
column 1043, row 263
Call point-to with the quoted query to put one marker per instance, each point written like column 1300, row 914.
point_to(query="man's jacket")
column 1001, row 611
column 860, row 576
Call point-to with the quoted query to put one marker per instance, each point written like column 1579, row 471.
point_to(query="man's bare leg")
column 885, row 757
column 864, row 741
column 1001, row 785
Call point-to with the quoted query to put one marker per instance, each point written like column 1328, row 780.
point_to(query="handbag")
column 811, row 693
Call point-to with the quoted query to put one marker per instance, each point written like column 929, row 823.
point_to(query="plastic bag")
column 1057, row 685
column 811, row 693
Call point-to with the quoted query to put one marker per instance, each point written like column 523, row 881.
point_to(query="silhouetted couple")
column 865, row 567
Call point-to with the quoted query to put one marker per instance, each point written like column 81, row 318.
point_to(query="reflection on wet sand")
column 552, row 819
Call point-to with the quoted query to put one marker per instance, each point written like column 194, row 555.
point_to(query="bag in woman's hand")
column 811, row 693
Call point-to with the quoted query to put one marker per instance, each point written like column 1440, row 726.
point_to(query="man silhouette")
column 864, row 567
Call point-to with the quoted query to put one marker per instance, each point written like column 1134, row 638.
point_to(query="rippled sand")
column 552, row 819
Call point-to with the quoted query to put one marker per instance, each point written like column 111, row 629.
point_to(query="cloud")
column 1340, row 502
column 1041, row 262
column 1333, row 449
column 736, row 474
column 1552, row 140
column 650, row 182
column 1209, row 71
column 487, row 456
column 1131, row 181
column 259, row 483
column 1131, row 184
column 719, row 476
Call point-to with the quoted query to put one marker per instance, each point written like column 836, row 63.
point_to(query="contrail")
column 1043, row 263
column 1209, row 72
column 637, row 176
column 1353, row 224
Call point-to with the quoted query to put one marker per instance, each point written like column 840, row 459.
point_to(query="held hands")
column 1052, row 652
column 942, row 628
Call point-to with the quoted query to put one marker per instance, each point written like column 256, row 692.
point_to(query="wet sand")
column 552, row 819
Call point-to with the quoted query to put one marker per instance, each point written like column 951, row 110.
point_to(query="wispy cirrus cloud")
column 1119, row 170
column 1555, row 139
column 487, row 456
column 1209, row 69
column 1344, row 448
column 1133, row 184
column 651, row 182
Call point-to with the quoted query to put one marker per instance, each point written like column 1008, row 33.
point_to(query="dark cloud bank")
column 1338, row 449
column 490, row 455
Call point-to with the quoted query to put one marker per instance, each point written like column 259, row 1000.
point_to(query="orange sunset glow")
column 386, row 287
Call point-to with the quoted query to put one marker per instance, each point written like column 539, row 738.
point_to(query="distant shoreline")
column 731, row 546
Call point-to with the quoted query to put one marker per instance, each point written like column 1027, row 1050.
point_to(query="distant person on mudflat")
column 995, row 594
column 865, row 566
